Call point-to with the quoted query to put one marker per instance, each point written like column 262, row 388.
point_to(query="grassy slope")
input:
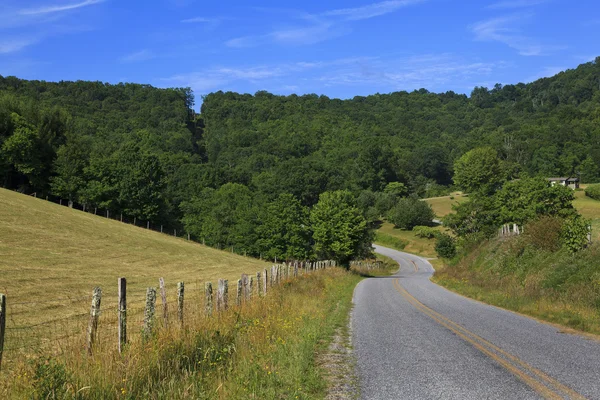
column 55, row 255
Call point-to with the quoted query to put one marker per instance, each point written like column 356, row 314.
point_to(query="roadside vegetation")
column 265, row 349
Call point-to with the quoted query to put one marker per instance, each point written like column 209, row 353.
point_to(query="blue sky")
column 337, row 48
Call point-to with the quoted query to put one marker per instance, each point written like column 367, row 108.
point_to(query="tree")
column 71, row 161
column 284, row 230
column 445, row 246
column 479, row 170
column 589, row 171
column 20, row 149
column 340, row 232
column 411, row 212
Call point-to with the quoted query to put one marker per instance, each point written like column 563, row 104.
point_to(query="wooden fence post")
column 238, row 299
column 148, row 225
column 149, row 313
column 121, row 217
column 223, row 295
column 107, row 214
column 245, row 282
column 265, row 280
column 295, row 269
column 180, row 294
column 122, row 330
column 250, row 289
column 2, row 325
column 208, row 295
column 259, row 283
column 94, row 314
column 163, row 296
column 161, row 229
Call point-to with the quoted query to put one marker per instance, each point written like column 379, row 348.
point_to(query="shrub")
column 544, row 233
column 445, row 246
column 574, row 233
column 425, row 232
column 410, row 212
column 593, row 191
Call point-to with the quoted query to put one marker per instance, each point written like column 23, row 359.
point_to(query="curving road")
column 416, row 340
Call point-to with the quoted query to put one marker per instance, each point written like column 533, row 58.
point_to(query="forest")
column 269, row 174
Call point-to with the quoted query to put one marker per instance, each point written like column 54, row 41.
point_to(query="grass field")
column 442, row 206
column 387, row 235
column 589, row 208
column 52, row 257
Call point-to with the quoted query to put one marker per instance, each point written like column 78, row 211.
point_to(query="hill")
column 51, row 257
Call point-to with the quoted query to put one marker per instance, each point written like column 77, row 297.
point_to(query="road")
column 416, row 340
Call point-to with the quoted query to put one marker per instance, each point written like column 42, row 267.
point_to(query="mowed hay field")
column 51, row 258
column 442, row 206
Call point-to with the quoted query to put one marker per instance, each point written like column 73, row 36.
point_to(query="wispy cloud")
column 505, row 30
column 516, row 4
column 431, row 71
column 138, row 56
column 370, row 10
column 58, row 8
column 315, row 28
column 15, row 44
column 295, row 36
column 197, row 20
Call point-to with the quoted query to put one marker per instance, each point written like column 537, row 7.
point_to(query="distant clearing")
column 442, row 206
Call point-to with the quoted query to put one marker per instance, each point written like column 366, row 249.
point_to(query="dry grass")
column 51, row 257
column 442, row 206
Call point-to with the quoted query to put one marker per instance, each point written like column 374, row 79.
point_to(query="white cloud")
column 198, row 20
column 371, row 10
column 428, row 70
column 142, row 55
column 504, row 30
column 516, row 4
column 58, row 8
column 13, row 45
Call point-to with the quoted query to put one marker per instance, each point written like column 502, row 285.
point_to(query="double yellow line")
column 545, row 385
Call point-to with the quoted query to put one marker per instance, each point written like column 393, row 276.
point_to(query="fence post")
column 175, row 232
column 94, row 314
column 107, row 214
column 148, row 225
column 122, row 330
column 180, row 293
column 245, row 283
column 250, row 289
column 238, row 299
column 295, row 269
column 265, row 280
column 161, row 229
column 222, row 294
column 121, row 217
column 259, row 283
column 134, row 220
column 188, row 237
column 149, row 313
column 163, row 296
column 209, row 298
column 2, row 325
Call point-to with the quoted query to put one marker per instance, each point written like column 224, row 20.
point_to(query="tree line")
column 247, row 165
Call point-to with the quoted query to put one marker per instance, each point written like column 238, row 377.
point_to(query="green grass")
column 589, row 208
column 442, row 206
column 399, row 239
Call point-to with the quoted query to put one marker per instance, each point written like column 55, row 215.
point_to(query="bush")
column 574, row 233
column 425, row 232
column 544, row 233
column 445, row 246
column 593, row 191
column 410, row 212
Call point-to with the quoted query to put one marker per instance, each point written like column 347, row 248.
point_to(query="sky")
column 339, row 48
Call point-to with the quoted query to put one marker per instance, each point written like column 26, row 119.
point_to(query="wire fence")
column 32, row 329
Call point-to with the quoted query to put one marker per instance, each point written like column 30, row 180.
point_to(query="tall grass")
column 264, row 350
column 555, row 286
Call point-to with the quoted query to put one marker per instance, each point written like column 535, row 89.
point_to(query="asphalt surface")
column 416, row 340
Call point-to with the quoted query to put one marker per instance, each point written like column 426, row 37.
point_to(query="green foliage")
column 425, row 232
column 574, row 233
column 397, row 189
column 284, row 231
column 523, row 200
column 593, row 191
column 51, row 380
column 386, row 240
column 589, row 171
column 445, row 246
column 479, row 170
column 340, row 232
column 411, row 212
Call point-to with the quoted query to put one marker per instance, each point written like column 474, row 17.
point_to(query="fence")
column 109, row 323
column 366, row 264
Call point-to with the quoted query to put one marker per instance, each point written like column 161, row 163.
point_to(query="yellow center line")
column 479, row 343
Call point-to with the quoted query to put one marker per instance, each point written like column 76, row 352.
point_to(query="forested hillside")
column 143, row 151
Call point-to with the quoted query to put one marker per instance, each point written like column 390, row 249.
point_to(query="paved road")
column 416, row 340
